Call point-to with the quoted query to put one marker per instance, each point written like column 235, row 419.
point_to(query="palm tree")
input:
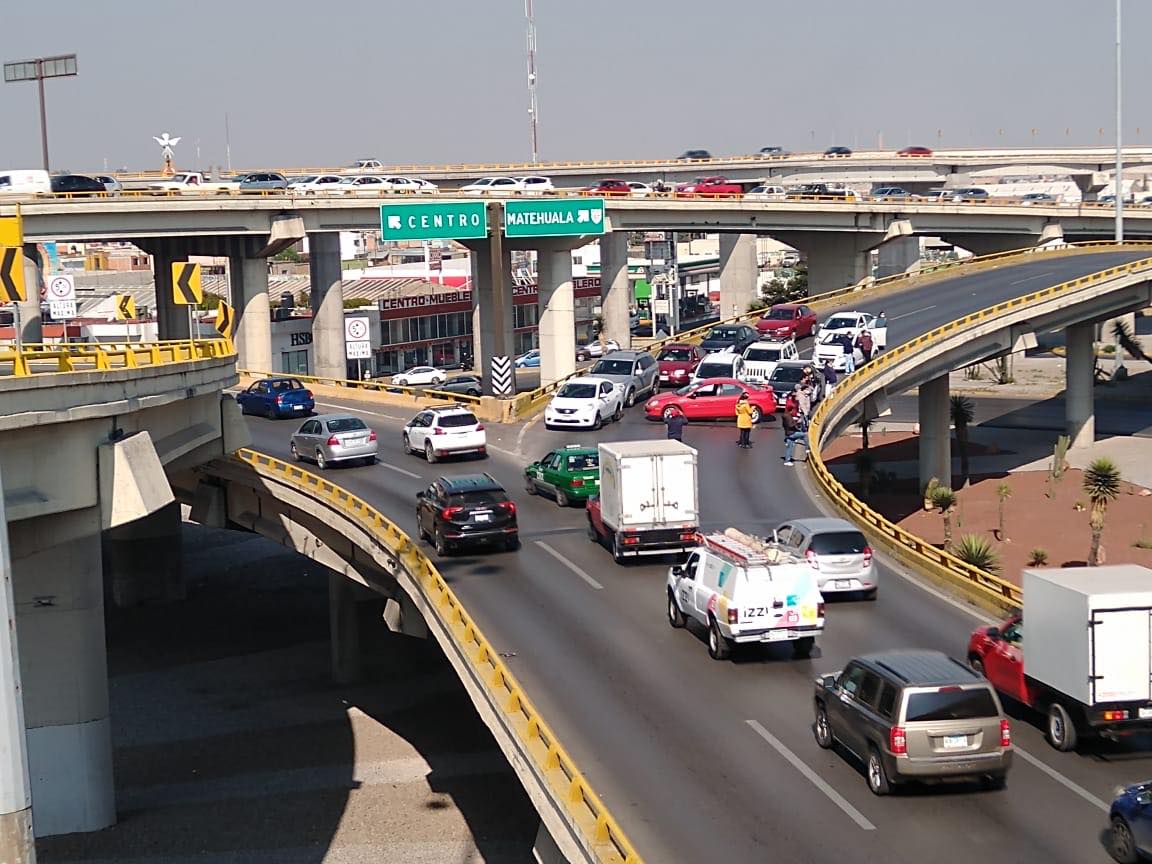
column 1101, row 484
column 1124, row 336
column 1003, row 493
column 865, row 425
column 963, row 413
column 944, row 500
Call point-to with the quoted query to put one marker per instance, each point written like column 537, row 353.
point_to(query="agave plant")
column 1101, row 484
column 977, row 550
column 944, row 500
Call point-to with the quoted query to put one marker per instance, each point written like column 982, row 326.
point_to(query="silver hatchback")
column 838, row 552
column 637, row 372
column 332, row 438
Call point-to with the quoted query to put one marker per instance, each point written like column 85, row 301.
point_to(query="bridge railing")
column 56, row 358
column 371, row 386
column 600, row 835
column 925, row 557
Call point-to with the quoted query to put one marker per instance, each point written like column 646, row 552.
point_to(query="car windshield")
column 346, row 424
column 678, row 354
column 838, row 543
column 713, row 370
column 840, row 323
column 951, row 703
column 787, row 374
column 780, row 315
column 762, row 354
column 462, row 419
column 584, row 462
column 724, row 333
column 612, row 367
column 577, row 391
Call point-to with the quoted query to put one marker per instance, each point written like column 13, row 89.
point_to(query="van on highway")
column 22, row 181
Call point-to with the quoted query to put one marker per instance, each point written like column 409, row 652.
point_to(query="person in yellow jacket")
column 744, row 421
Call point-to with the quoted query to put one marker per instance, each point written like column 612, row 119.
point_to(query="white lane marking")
column 814, row 778
column 1062, row 780
column 406, row 473
column 560, row 557
column 913, row 312
column 940, row 595
column 352, row 410
column 1031, row 278
column 524, row 429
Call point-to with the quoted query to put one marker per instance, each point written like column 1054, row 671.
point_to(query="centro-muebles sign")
column 461, row 301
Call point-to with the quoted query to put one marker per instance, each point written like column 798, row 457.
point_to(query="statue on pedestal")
column 167, row 143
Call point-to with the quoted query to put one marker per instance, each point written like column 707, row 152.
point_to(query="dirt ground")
column 1052, row 516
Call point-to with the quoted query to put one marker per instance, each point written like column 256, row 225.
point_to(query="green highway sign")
column 552, row 217
column 461, row 220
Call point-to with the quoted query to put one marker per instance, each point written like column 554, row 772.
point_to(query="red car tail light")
column 577, row 482
column 820, row 609
column 333, row 441
column 449, row 512
column 1005, row 733
column 437, row 431
column 479, row 427
column 733, row 614
column 897, row 741
column 371, row 436
column 308, row 394
column 810, row 556
column 508, row 507
column 867, row 555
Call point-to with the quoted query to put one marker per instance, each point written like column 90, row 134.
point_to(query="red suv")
column 914, row 151
column 788, row 320
column 710, row 186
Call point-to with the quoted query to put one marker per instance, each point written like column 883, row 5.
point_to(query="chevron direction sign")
column 225, row 317
column 12, row 274
column 502, row 376
column 125, row 307
column 186, row 290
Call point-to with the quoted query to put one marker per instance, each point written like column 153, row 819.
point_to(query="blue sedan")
column 1131, row 816
column 277, row 397
column 529, row 360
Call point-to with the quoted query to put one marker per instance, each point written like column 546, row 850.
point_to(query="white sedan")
column 595, row 349
column 638, row 189
column 585, row 403
column 536, row 185
column 419, row 375
column 315, row 183
column 361, row 184
column 493, row 186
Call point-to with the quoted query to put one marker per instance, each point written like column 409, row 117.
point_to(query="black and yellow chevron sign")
column 225, row 318
column 186, row 290
column 125, row 307
column 12, row 274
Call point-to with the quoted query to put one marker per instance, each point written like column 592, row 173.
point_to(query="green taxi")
column 568, row 474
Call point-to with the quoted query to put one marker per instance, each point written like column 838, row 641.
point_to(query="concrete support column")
column 328, row 353
column 739, row 271
column 1079, row 375
column 344, row 629
column 58, row 587
column 16, row 842
column 835, row 260
column 31, row 329
column 615, row 288
column 991, row 244
column 897, row 256
column 248, row 289
column 144, row 559
column 935, row 432
column 492, row 332
column 172, row 318
column 557, row 307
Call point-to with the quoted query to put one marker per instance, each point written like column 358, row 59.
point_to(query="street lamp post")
column 1119, row 132
column 60, row 66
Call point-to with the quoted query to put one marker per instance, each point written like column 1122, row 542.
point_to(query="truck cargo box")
column 648, row 484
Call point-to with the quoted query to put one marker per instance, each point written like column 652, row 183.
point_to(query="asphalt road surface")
column 704, row 761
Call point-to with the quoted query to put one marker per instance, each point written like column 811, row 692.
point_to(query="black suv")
column 77, row 184
column 730, row 337
column 466, row 510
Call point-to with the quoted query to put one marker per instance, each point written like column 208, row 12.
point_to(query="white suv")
column 760, row 358
column 452, row 430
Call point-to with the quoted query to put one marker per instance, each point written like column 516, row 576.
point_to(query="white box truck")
column 1086, row 663
column 648, row 499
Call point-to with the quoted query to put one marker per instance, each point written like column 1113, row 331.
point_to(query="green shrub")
column 977, row 551
column 1038, row 557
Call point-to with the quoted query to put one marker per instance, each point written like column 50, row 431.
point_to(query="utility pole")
column 532, row 112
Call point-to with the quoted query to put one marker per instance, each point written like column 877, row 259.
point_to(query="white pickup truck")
column 191, row 182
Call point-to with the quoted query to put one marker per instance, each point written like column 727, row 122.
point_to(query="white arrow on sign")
column 394, row 223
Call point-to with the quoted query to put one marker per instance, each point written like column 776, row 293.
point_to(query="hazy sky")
column 309, row 83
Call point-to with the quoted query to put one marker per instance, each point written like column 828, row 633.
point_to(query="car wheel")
column 420, row 532
column 295, row 453
column 994, row 782
column 675, row 616
column 718, row 647
column 877, row 776
column 977, row 665
column 668, row 412
column 618, row 413
column 400, row 382
column 440, row 543
column 1061, row 730
column 822, row 729
column 598, row 422
column 436, row 382
column 529, row 486
column 474, row 392
column 512, row 543
column 617, row 551
column 429, row 453
column 870, row 594
column 756, row 414
column 270, row 412
column 630, row 397
column 561, row 498
column 368, row 460
column 1121, row 844
column 407, row 444
column 803, row 646
column 321, row 462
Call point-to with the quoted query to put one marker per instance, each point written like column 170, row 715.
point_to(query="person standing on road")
column 829, row 378
column 675, row 421
column 744, row 421
column 866, row 345
column 804, row 398
column 849, row 348
column 793, row 425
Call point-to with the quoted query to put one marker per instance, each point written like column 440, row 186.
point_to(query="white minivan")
column 25, row 181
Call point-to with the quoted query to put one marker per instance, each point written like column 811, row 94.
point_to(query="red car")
column 713, row 399
column 710, row 186
column 611, row 186
column 788, row 320
column 677, row 363
column 914, row 151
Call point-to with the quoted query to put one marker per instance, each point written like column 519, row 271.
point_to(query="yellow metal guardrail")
column 903, row 544
column 50, row 358
column 601, row 832
column 370, row 385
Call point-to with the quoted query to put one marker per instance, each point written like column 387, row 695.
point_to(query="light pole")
column 532, row 110
column 1119, row 132
column 60, row 66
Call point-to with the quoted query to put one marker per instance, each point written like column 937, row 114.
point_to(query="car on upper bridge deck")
column 694, row 156
column 311, row 184
column 711, row 186
column 493, row 186
column 914, row 151
column 837, row 151
column 891, row 193
column 264, row 181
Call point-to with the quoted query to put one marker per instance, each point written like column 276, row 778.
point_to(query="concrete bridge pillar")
column 328, row 353
column 144, row 560
column 248, row 288
column 557, row 307
column 344, row 629
column 58, row 588
column 835, row 259
column 897, row 255
column 1079, row 376
column 615, row 287
column 172, row 319
column 935, row 431
column 492, row 331
column 991, row 244
column 31, row 329
column 739, row 271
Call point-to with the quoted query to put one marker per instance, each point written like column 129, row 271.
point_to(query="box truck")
column 648, row 499
column 1086, row 663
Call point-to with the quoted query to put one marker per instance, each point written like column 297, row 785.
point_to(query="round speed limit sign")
column 356, row 329
column 61, row 288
